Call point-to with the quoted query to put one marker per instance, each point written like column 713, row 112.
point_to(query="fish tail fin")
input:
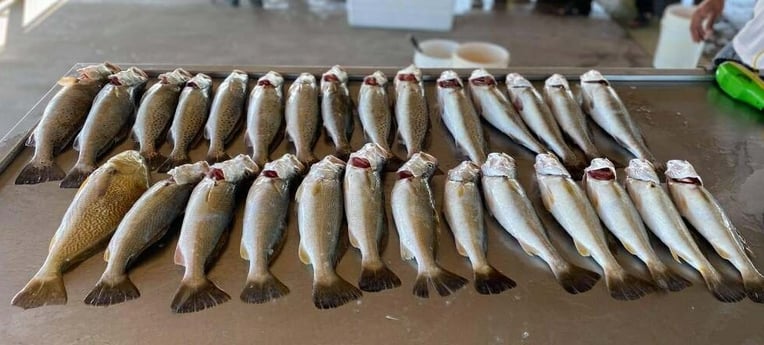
column 306, row 157
column 40, row 291
column 192, row 298
column 724, row 290
column 260, row 157
column 576, row 279
column 154, row 159
column 444, row 281
column 35, row 172
column 626, row 287
column 334, row 293
column 263, row 290
column 377, row 278
column 76, row 176
column 490, row 281
column 754, row 287
column 173, row 161
column 112, row 291
column 217, row 156
column 667, row 279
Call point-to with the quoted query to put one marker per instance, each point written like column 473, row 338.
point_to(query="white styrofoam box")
column 436, row 15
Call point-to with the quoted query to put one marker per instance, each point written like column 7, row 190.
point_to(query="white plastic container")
column 480, row 54
column 435, row 53
column 675, row 46
column 434, row 15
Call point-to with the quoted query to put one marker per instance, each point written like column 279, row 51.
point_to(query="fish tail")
column 112, row 291
column 754, row 287
column 444, row 281
column 154, row 159
column 667, row 279
column 626, row 287
column 263, row 290
column 35, row 172
column 40, row 291
column 724, row 290
column 173, row 161
column 377, row 277
column 334, row 293
column 214, row 156
column 575, row 279
column 195, row 297
column 306, row 157
column 76, row 176
column 260, row 157
column 489, row 281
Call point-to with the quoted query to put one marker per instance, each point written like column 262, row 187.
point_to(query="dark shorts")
column 728, row 53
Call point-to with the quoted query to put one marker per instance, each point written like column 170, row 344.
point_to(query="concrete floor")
column 195, row 32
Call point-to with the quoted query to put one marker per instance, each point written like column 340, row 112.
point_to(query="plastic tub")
column 675, row 46
column 435, row 53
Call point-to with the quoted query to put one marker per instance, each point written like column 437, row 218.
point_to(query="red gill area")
column 359, row 162
column 603, row 174
column 404, row 174
column 688, row 180
column 216, row 174
column 115, row 80
column 193, row 84
column 270, row 173
column 449, row 84
column 264, row 83
column 332, row 77
column 483, row 81
column 370, row 80
column 407, row 77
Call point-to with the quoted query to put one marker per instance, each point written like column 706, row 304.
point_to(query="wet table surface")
column 682, row 117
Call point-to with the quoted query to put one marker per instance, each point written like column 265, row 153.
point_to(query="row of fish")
column 115, row 200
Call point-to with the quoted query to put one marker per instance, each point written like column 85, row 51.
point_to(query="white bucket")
column 675, row 46
column 480, row 54
column 435, row 53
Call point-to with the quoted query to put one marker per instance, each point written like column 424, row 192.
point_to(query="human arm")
column 702, row 22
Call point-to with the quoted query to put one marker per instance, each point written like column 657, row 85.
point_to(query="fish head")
column 272, row 80
column 330, row 168
column 593, row 76
column 200, row 81
column 375, row 79
column 177, row 77
column 370, row 156
column 421, row 164
column 189, row 173
column 304, row 79
column 98, row 72
column 286, row 167
column 548, row 164
column 449, row 80
column 499, row 164
column 410, row 74
column 481, row 77
column 557, row 81
column 681, row 171
column 133, row 76
column 128, row 163
column 233, row 170
column 238, row 75
column 466, row 171
column 643, row 170
column 515, row 80
column 336, row 74
column 600, row 169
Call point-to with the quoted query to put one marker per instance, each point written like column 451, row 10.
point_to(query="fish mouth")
column 643, row 170
column 216, row 174
column 548, row 164
column 270, row 173
column 601, row 174
column 516, row 81
column 372, row 153
column 594, row 77
column 682, row 171
column 360, row 162
column 404, row 174
column 557, row 81
column 450, row 84
column 408, row 77
column 331, row 78
column 375, row 79
column 466, row 171
column 264, row 83
column 483, row 81
column 499, row 164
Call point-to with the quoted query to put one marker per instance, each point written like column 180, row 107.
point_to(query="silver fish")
column 565, row 200
column 568, row 114
column 460, row 117
column 264, row 116
column 539, row 118
column 226, row 114
column 696, row 204
column 365, row 214
column 464, row 214
column 336, row 110
column 619, row 215
column 155, row 113
column 506, row 200
column 146, row 222
column 662, row 218
column 265, row 219
column 188, row 121
column 374, row 109
column 108, row 123
column 203, row 233
column 492, row 104
column 319, row 219
column 61, row 120
column 302, row 116
column 604, row 106
column 411, row 112
column 87, row 225
column 417, row 223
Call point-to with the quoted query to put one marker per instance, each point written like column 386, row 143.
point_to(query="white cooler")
column 435, row 15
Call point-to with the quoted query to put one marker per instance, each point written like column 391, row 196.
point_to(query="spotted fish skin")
column 411, row 113
column 226, row 113
column 302, row 120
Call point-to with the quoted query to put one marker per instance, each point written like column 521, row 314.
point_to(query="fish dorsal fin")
column 581, row 248
column 406, row 254
column 247, row 142
column 67, row 81
column 106, row 255
column 76, row 143
column 723, row 253
column 53, row 241
column 304, row 257
column 528, row 249
column 179, row 260
column 460, row 249
column 30, row 141
column 206, row 133
column 675, row 256
column 353, row 240
column 629, row 248
column 243, row 252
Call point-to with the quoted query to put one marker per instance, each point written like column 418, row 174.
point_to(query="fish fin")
column 264, row 290
column 334, row 294
column 206, row 133
column 581, row 249
column 35, row 172
column 675, row 256
column 40, row 291
column 576, row 279
column 192, row 298
column 629, row 248
column 625, row 287
column 460, row 249
column 76, row 176
column 178, row 258
column 353, row 241
column 247, row 142
column 170, row 139
column 172, row 162
column 67, row 81
column 723, row 253
column 106, row 255
column 304, row 257
column 667, row 279
column 154, row 159
column 378, row 278
column 754, row 287
column 445, row 282
column 215, row 157
column 490, row 281
column 243, row 252
column 724, row 290
column 528, row 249
column 113, row 292
column 30, row 140
column 76, row 143
column 406, row 254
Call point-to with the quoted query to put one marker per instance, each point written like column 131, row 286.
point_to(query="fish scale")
column 225, row 114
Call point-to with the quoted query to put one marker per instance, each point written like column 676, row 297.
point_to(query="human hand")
column 702, row 22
